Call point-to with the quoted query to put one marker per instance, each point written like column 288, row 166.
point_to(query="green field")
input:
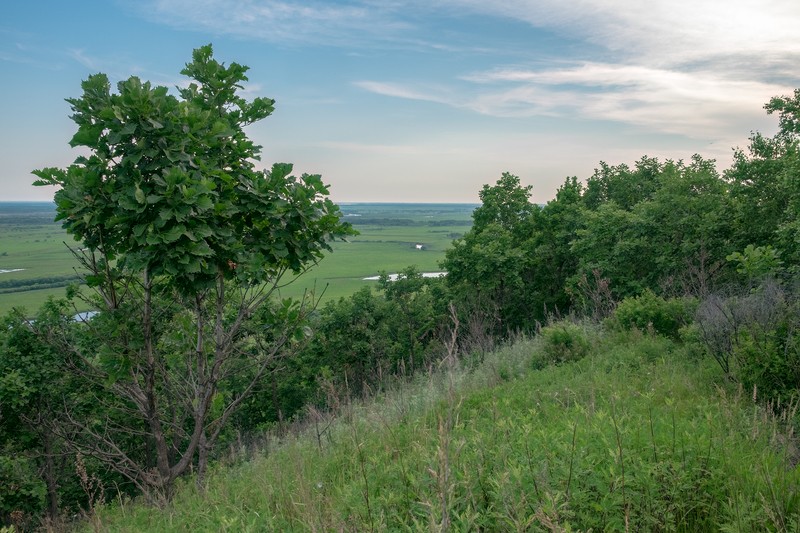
column 389, row 233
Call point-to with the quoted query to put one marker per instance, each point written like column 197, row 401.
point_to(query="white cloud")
column 696, row 68
column 81, row 57
column 665, row 32
column 695, row 105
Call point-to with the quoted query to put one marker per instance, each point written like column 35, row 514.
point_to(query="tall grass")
column 634, row 436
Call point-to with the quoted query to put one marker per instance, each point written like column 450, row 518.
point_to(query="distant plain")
column 389, row 234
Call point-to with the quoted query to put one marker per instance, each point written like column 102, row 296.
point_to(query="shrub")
column 22, row 492
column 769, row 363
column 753, row 336
column 561, row 343
column 649, row 311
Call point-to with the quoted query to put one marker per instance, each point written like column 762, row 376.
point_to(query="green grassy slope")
column 637, row 435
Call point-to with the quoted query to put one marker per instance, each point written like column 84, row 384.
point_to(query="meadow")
column 35, row 262
column 632, row 432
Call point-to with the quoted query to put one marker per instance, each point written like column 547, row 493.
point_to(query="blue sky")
column 410, row 100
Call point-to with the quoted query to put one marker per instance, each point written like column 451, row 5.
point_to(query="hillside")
column 635, row 433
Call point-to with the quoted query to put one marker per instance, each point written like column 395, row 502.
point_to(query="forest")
column 190, row 355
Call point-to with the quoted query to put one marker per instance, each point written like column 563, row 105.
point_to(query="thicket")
column 671, row 253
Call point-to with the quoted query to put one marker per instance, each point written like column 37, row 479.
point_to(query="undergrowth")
column 631, row 434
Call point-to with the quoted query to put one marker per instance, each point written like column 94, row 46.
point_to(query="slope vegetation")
column 577, row 429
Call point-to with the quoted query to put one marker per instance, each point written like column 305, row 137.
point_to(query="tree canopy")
column 185, row 241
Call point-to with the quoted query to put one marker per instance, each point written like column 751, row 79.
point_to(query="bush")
column 22, row 492
column 754, row 338
column 561, row 343
column 649, row 311
column 769, row 363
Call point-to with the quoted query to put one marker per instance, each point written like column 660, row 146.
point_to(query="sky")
column 420, row 101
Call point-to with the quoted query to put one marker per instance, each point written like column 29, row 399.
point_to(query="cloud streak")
column 284, row 22
column 685, row 67
column 695, row 105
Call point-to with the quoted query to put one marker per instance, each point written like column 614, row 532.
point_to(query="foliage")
column 506, row 204
column 621, row 185
column 185, row 242
column 489, row 263
column 765, row 186
column 22, row 490
column 562, row 342
column 753, row 336
column 756, row 262
column 649, row 311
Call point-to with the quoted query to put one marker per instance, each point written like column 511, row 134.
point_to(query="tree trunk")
column 202, row 462
column 50, row 476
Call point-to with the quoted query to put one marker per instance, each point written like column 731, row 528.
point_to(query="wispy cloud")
column 694, row 68
column 428, row 94
column 287, row 22
column 695, row 105
column 81, row 57
column 687, row 67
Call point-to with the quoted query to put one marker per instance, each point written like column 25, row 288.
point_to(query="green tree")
column 613, row 245
column 621, row 185
column 36, row 468
column 415, row 318
column 488, row 267
column 185, row 240
column 688, row 227
column 506, row 203
column 555, row 228
column 765, row 185
column 353, row 341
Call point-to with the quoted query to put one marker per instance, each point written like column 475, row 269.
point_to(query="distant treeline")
column 21, row 285
column 380, row 221
column 27, row 213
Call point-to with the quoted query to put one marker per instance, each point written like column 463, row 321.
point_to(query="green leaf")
column 174, row 233
column 87, row 135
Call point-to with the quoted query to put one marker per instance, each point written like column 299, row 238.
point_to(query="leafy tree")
column 185, row 241
column 354, row 342
column 765, row 185
column 613, row 244
column 507, row 204
column 788, row 110
column 621, row 185
column 488, row 267
column 35, row 384
column 415, row 319
column 27, row 374
column 555, row 228
column 687, row 225
column 675, row 235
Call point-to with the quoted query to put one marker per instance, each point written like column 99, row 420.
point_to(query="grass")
column 376, row 249
column 636, row 435
column 30, row 240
